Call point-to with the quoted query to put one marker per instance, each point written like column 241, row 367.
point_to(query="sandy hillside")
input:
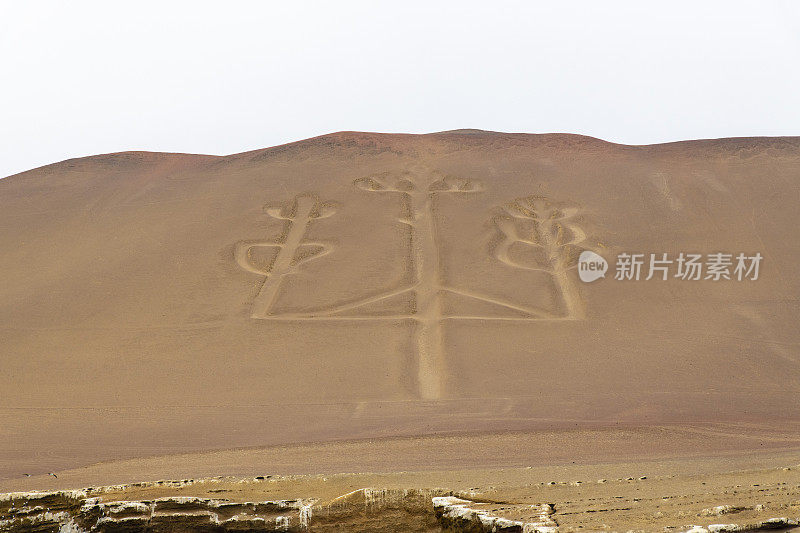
column 362, row 285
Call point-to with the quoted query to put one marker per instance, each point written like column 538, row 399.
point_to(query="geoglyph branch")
column 292, row 250
column 550, row 238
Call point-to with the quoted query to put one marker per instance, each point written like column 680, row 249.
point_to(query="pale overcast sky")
column 82, row 78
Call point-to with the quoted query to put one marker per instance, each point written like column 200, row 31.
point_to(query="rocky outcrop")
column 363, row 510
column 764, row 525
column 73, row 512
column 360, row 511
column 40, row 512
column 460, row 515
column 378, row 510
column 405, row 511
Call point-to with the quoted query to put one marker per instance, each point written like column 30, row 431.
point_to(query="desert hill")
column 361, row 285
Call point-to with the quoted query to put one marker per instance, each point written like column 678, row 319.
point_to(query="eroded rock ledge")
column 73, row 512
column 78, row 511
column 456, row 514
column 360, row 511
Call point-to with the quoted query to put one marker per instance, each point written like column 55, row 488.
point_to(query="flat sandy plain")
column 405, row 302
column 671, row 479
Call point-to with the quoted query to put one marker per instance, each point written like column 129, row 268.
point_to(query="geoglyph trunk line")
column 425, row 255
column 420, row 193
